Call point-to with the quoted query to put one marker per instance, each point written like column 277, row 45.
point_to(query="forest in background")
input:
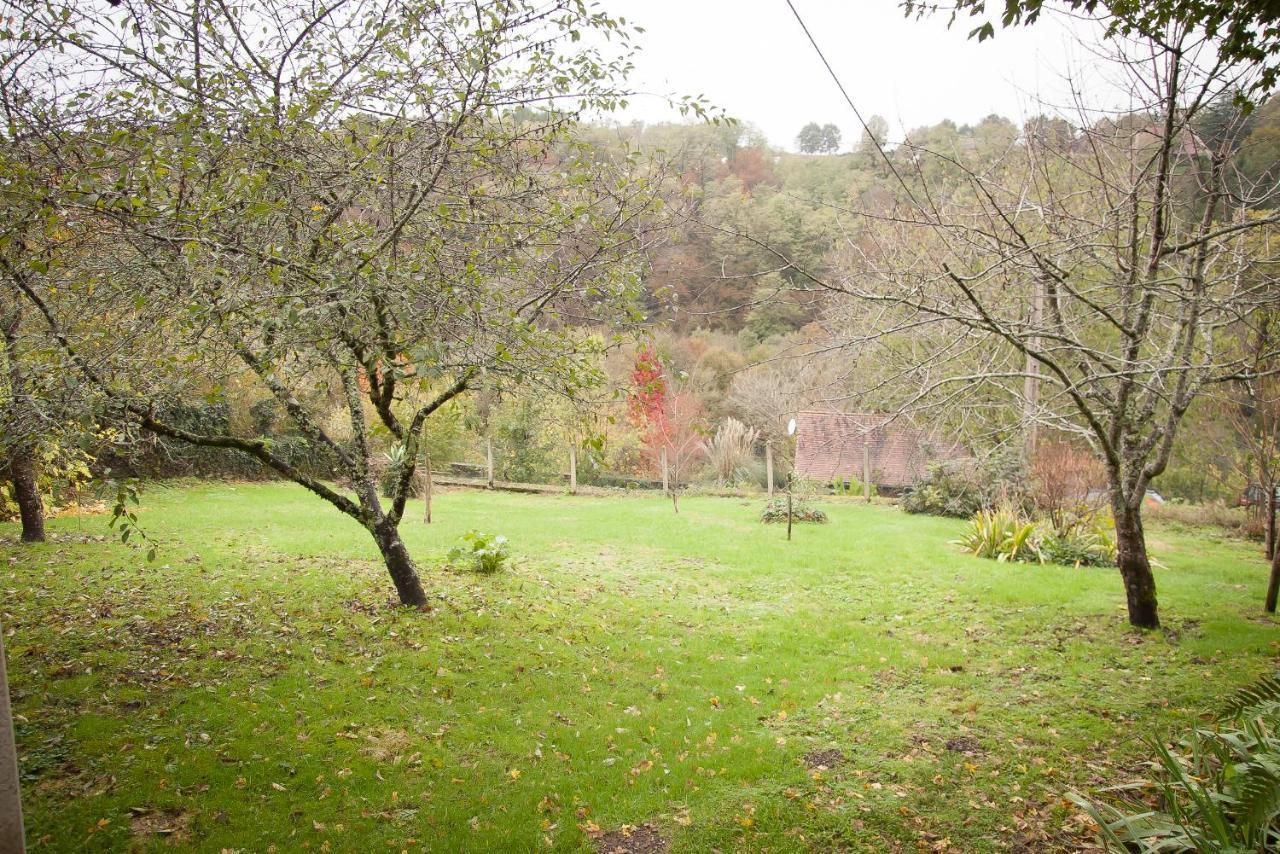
column 731, row 314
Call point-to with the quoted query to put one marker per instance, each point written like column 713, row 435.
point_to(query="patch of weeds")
column 43, row 755
column 480, row 552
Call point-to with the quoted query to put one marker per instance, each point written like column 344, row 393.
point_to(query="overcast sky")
column 751, row 58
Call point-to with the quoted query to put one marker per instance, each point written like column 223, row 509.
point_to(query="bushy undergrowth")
column 802, row 510
column 850, row 487
column 1217, row 789
column 1234, row 520
column 62, row 469
column 1007, row 534
column 961, row 489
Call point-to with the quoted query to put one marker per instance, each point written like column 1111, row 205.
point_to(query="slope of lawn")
column 863, row 687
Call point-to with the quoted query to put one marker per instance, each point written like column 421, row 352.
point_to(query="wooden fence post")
column 768, row 467
column 788, row 508
column 866, row 471
column 573, row 469
column 666, row 479
column 11, row 835
column 488, row 458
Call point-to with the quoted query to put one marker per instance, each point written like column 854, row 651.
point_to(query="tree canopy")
column 818, row 139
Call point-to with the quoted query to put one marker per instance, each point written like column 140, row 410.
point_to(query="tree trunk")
column 404, row 573
column 26, row 492
column 1135, row 568
column 1271, row 520
column 1273, row 585
column 22, row 466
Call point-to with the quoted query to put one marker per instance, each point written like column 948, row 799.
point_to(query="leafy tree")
column 338, row 200
column 1243, row 31
column 818, row 139
column 774, row 311
column 874, row 138
column 648, row 393
column 45, row 415
column 670, row 421
column 18, row 416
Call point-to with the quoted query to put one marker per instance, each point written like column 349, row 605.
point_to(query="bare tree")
column 676, row 440
column 1251, row 405
column 1105, row 266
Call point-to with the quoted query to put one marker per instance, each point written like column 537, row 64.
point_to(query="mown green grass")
column 253, row 687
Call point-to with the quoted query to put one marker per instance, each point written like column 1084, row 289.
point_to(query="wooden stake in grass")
column 426, row 489
column 791, row 431
column 866, row 471
column 488, row 460
column 573, row 469
column 788, row 507
column 768, row 467
column 1273, row 584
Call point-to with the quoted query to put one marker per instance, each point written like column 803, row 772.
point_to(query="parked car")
column 1254, row 495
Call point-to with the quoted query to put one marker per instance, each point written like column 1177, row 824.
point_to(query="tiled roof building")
column 829, row 444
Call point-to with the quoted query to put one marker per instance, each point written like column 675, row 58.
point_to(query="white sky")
column 751, row 58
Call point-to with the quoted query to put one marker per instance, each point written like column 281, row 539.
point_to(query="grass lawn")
column 863, row 687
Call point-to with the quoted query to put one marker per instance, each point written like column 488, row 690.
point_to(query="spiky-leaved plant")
column 1218, row 789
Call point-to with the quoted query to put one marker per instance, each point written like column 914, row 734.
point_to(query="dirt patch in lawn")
column 172, row 824
column 815, row 759
column 641, row 839
column 390, row 745
column 964, row 744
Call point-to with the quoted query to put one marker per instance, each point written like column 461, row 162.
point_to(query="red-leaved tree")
column 648, row 388
column 670, row 422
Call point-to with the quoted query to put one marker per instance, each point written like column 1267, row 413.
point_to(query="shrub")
column 802, row 510
column 730, row 453
column 526, row 447
column 1218, row 789
column 480, row 552
column 1065, row 478
column 1006, row 534
column 1003, row 535
column 961, row 489
column 393, row 462
column 850, row 487
column 1083, row 540
column 947, row 489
